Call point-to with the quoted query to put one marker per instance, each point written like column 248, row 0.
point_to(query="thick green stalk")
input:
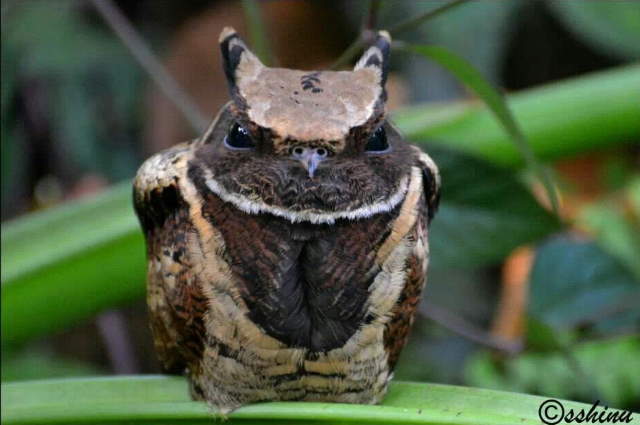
column 161, row 399
column 67, row 263
column 559, row 120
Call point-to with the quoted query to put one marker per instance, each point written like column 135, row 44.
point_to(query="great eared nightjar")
column 287, row 246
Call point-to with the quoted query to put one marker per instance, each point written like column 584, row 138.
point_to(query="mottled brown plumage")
column 287, row 246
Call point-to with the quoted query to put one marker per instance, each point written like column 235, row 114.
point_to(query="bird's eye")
column 238, row 138
column 377, row 143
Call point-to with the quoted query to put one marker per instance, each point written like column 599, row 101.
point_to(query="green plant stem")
column 161, row 399
column 150, row 63
column 257, row 32
column 361, row 41
column 495, row 101
column 416, row 21
column 562, row 119
column 350, row 53
column 365, row 36
column 68, row 263
column 371, row 20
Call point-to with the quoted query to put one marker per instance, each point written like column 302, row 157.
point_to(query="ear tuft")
column 377, row 56
column 234, row 51
column 226, row 33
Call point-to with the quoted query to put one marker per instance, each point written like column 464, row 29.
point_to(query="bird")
column 287, row 246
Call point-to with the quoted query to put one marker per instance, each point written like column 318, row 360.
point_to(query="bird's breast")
column 306, row 285
column 300, row 308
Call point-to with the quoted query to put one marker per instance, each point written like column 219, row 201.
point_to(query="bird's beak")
column 312, row 163
column 310, row 158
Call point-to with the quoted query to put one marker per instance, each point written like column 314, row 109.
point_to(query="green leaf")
column 469, row 76
column 611, row 26
column 575, row 282
column 62, row 265
column 159, row 399
column 484, row 213
column 612, row 365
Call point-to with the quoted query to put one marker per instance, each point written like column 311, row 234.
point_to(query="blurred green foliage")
column 77, row 83
column 616, row 229
column 63, row 265
column 486, row 212
column 611, row 27
column 612, row 365
column 575, row 283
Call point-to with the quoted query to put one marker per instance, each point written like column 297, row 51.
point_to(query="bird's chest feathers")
column 305, row 285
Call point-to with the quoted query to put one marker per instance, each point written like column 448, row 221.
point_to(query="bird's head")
column 306, row 142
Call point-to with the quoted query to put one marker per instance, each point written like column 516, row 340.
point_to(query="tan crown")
column 306, row 106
